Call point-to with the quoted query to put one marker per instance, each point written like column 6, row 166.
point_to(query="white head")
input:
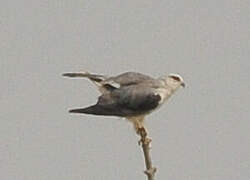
column 174, row 81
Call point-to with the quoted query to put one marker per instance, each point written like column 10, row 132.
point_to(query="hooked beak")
column 183, row 84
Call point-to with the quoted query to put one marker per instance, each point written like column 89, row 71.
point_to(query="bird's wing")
column 137, row 98
column 106, row 106
column 127, row 101
column 128, row 78
column 92, row 77
column 111, row 83
column 97, row 79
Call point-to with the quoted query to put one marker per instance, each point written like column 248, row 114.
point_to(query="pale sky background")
column 202, row 133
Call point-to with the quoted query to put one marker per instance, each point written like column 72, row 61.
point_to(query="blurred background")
column 202, row 133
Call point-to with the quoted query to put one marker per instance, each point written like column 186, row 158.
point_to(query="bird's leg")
column 138, row 124
column 139, row 127
column 141, row 131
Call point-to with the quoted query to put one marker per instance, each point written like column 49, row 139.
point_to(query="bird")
column 130, row 95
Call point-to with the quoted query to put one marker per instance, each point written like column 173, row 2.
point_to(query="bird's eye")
column 176, row 78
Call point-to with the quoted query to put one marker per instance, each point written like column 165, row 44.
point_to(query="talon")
column 142, row 132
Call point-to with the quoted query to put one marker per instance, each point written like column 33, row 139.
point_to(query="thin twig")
column 145, row 143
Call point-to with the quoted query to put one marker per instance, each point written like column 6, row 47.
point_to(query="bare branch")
column 145, row 143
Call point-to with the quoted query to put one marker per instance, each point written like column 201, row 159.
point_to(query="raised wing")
column 105, row 83
column 92, row 77
column 128, row 78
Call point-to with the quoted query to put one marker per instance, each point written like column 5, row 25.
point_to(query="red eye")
column 176, row 78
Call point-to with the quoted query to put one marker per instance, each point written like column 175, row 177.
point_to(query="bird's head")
column 174, row 81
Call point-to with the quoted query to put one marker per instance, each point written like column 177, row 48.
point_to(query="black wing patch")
column 141, row 104
column 124, row 102
column 122, row 109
